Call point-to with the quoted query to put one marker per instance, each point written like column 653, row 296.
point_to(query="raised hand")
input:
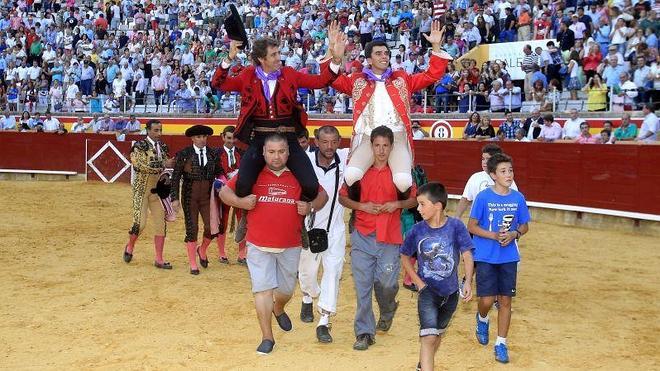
column 233, row 49
column 337, row 45
column 437, row 35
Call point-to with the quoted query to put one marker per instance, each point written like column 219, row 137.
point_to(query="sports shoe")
column 265, row 347
column 482, row 331
column 241, row 230
column 363, row 341
column 501, row 353
column 384, row 325
column 242, row 261
column 323, row 334
column 284, row 321
column 307, row 312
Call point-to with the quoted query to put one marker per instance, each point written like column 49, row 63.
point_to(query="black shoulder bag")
column 318, row 237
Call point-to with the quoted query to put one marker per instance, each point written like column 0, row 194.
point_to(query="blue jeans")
column 435, row 311
column 375, row 267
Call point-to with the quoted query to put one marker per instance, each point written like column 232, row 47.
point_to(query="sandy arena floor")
column 587, row 299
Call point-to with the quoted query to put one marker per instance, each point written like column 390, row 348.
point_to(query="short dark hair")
column 549, row 117
column 368, row 49
column 304, row 133
column 152, row 122
column 491, row 149
column 228, row 129
column 260, row 48
column 275, row 137
column 435, row 192
column 327, row 129
column 497, row 159
column 382, row 131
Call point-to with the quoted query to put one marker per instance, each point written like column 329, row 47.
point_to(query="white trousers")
column 333, row 264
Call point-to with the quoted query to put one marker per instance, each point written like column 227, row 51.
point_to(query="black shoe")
column 323, row 334
column 307, row 312
column 165, row 265
column 223, row 260
column 284, row 321
column 411, row 287
column 265, row 347
column 242, row 261
column 384, row 325
column 127, row 255
column 363, row 342
column 204, row 263
column 194, row 272
column 241, row 230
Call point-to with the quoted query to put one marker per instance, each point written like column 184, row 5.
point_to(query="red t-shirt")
column 377, row 186
column 274, row 222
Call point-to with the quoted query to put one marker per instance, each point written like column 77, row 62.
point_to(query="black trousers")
column 252, row 162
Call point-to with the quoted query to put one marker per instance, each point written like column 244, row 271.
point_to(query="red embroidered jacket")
column 284, row 102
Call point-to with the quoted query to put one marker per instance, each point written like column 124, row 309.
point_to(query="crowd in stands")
column 154, row 55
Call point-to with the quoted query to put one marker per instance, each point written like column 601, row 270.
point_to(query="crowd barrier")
column 620, row 177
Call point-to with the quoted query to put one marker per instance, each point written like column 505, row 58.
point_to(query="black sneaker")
column 307, row 312
column 384, row 325
column 265, row 347
column 284, row 321
column 241, row 230
column 411, row 287
column 323, row 334
column 363, row 342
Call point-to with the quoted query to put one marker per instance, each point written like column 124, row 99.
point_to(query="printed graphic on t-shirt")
column 277, row 193
column 502, row 214
column 437, row 258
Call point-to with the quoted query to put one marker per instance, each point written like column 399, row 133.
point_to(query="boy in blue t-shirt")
column 498, row 218
column 438, row 241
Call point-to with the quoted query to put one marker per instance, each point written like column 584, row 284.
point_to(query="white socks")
column 325, row 319
column 307, row 299
column 500, row 340
column 483, row 319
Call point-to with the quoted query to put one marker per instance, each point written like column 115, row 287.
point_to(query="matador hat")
column 234, row 26
column 199, row 130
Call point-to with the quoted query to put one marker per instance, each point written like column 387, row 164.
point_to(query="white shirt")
column 79, row 127
column 231, row 153
column 51, row 125
column 572, row 128
column 202, row 158
column 327, row 181
column 7, row 122
column 478, row 182
column 650, row 124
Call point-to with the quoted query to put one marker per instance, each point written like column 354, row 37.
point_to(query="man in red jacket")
column 269, row 105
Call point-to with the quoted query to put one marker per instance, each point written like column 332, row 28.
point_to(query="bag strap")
column 334, row 196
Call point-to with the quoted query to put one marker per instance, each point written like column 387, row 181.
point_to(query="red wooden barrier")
column 618, row 177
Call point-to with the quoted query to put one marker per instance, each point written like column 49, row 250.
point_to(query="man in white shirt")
column 397, row 65
column 34, row 71
column 479, row 180
column 571, row 128
column 410, row 63
column 577, row 27
column 628, row 92
column 7, row 122
column 649, row 130
column 51, row 124
column 329, row 164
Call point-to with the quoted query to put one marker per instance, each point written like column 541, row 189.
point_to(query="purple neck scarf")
column 265, row 78
column 371, row 76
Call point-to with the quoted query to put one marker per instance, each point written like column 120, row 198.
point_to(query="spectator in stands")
column 510, row 125
column 481, row 98
column 443, row 89
column 495, row 97
column 521, row 135
column 591, row 61
column 578, row 27
column 624, row 94
column 184, row 99
column 105, row 125
column 585, row 136
column 642, row 78
column 26, row 122
column 7, row 122
column 575, row 74
column 565, row 37
column 470, row 130
column 418, row 132
column 550, row 131
column 650, row 126
column 572, row 126
column 596, row 94
column 79, row 126
column 485, row 131
column 627, row 131
column 533, row 124
column 527, row 65
column 512, row 97
column 51, row 124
